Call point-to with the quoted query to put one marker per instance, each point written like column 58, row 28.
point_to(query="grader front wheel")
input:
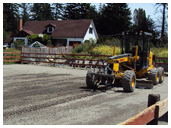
column 90, row 80
column 129, row 81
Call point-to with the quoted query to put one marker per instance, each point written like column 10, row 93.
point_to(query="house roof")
column 53, row 25
column 63, row 28
column 28, row 31
column 23, row 33
column 9, row 39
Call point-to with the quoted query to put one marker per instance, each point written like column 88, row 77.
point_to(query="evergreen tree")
column 71, row 11
column 84, row 10
column 141, row 22
column 100, row 20
column 58, row 10
column 78, row 11
column 139, row 18
column 25, row 12
column 114, row 18
column 10, row 19
column 92, row 13
column 41, row 11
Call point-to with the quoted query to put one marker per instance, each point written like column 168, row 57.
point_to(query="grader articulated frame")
column 136, row 61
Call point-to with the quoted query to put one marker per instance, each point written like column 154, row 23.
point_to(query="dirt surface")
column 51, row 95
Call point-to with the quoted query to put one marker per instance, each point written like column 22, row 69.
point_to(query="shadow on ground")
column 164, row 117
column 140, row 84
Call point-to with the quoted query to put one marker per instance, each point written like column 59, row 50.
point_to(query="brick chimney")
column 21, row 24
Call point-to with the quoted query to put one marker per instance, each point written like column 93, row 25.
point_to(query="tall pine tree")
column 71, row 11
column 25, row 12
column 10, row 19
column 115, row 18
column 58, row 10
column 141, row 22
column 41, row 11
column 78, row 11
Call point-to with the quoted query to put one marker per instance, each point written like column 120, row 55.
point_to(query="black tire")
column 90, row 80
column 161, row 74
column 154, row 76
column 129, row 81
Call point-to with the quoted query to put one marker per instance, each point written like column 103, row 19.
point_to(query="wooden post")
column 49, row 51
column 114, row 50
column 152, row 99
column 21, row 54
column 40, row 54
column 66, row 50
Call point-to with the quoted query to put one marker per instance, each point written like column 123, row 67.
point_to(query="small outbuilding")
column 37, row 44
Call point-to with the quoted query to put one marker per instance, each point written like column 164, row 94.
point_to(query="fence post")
column 152, row 99
column 66, row 50
column 49, row 50
column 21, row 54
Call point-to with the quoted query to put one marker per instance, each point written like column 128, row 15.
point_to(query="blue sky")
column 148, row 7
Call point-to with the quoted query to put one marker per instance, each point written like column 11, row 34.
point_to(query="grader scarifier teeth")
column 104, row 75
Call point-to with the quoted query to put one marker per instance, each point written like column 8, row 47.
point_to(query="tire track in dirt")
column 41, row 91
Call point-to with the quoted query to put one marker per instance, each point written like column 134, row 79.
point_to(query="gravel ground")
column 51, row 95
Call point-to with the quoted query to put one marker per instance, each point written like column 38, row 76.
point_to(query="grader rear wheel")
column 161, row 74
column 154, row 76
column 129, row 81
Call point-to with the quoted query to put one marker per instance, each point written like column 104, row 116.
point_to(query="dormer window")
column 91, row 30
column 50, row 29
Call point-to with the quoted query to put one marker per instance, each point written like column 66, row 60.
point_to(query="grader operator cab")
column 136, row 61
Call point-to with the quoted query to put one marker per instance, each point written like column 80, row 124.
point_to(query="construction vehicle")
column 136, row 61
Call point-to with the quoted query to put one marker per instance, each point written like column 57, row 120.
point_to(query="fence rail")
column 153, row 112
column 11, row 56
column 67, row 59
column 52, row 56
column 164, row 65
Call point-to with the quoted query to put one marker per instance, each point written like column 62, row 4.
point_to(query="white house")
column 64, row 32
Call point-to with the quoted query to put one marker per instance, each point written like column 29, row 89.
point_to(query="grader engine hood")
column 119, row 58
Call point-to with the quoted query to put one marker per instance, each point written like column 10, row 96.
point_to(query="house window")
column 91, row 30
column 50, row 29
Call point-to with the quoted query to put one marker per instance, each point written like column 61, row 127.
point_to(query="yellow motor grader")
column 136, row 61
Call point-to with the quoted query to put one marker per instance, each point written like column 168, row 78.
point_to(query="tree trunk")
column 163, row 21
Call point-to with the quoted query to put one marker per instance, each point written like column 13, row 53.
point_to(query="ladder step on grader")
column 136, row 61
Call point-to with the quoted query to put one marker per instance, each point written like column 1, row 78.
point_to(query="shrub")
column 11, row 50
column 85, row 47
column 78, row 49
column 105, row 50
column 35, row 37
column 108, row 40
column 160, row 52
column 18, row 44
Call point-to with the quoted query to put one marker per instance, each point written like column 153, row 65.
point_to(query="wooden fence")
column 153, row 112
column 11, row 57
column 66, row 59
column 164, row 65
column 50, row 50
column 59, row 56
